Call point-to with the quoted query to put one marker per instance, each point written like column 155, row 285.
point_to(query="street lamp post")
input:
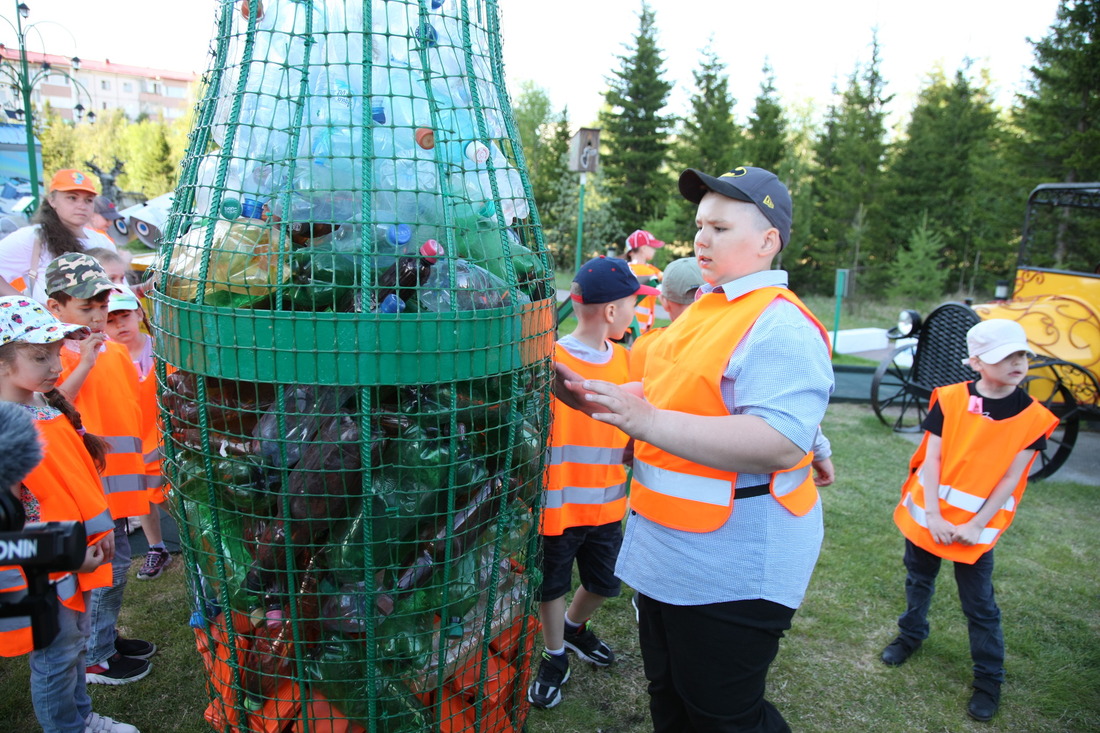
column 25, row 84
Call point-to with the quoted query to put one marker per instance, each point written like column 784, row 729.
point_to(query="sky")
column 571, row 47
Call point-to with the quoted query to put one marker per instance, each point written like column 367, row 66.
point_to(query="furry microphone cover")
column 20, row 450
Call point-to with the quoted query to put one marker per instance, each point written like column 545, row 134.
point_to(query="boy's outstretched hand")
column 568, row 388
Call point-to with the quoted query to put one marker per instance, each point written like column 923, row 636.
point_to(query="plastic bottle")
column 473, row 288
column 405, row 276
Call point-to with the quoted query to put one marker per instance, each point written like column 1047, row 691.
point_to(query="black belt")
column 748, row 492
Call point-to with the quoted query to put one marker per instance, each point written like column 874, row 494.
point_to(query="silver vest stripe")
column 970, row 502
column 100, row 523
column 122, row 443
column 557, row 498
column 124, row 482
column 586, row 454
column 784, row 482
column 12, row 577
column 987, row 537
column 683, row 485
column 153, row 456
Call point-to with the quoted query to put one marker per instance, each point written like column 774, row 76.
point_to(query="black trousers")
column 707, row 665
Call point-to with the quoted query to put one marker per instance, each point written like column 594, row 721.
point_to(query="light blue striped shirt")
column 780, row 371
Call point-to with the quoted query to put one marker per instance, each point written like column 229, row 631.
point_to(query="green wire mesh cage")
column 354, row 321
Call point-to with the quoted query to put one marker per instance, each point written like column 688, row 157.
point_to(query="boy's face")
column 730, row 239
column 123, row 326
column 90, row 312
column 622, row 316
column 1008, row 372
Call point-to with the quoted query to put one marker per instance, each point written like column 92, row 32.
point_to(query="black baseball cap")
column 744, row 183
column 607, row 279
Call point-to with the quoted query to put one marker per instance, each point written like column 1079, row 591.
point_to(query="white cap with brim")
column 24, row 319
column 123, row 300
column 994, row 339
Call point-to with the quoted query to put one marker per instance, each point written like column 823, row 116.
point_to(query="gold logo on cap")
column 768, row 202
column 735, row 173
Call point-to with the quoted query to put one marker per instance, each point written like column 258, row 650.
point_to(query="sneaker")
column 136, row 648
column 97, row 723
column 156, row 561
column 545, row 691
column 588, row 646
column 118, row 670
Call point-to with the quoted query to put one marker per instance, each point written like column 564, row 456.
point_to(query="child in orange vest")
column 100, row 379
column 585, row 497
column 64, row 486
column 965, row 483
column 125, row 318
column 640, row 248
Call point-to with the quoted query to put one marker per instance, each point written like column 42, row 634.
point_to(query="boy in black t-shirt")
column 965, row 483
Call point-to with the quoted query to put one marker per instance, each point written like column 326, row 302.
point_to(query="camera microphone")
column 20, row 449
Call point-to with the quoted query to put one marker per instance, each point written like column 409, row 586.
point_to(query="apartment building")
column 103, row 85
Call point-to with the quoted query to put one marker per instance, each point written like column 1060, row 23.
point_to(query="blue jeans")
column 975, row 582
column 107, row 602
column 58, row 690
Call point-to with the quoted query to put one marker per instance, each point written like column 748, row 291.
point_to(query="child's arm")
column 93, row 558
column 968, row 533
column 89, row 352
column 941, row 530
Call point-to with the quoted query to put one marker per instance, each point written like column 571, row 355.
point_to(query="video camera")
column 38, row 548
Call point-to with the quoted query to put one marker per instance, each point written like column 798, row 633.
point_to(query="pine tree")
column 709, row 141
column 1059, row 118
column 917, row 273
column 554, row 164
column 636, row 133
column 766, row 142
column 847, row 180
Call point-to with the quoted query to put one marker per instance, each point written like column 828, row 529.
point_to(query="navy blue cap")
column 744, row 183
column 607, row 279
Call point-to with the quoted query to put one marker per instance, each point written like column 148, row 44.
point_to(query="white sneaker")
column 97, row 723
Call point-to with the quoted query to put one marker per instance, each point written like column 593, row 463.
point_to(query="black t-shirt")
column 994, row 409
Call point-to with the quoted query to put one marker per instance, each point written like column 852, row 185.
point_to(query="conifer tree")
column 635, row 132
column 766, row 142
column 917, row 273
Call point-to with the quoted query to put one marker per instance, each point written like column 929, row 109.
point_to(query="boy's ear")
column 53, row 306
column 771, row 244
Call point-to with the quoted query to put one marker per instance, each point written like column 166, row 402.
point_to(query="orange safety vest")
column 683, row 372
column 68, row 489
column 638, row 351
column 977, row 453
column 586, row 479
column 110, row 406
column 646, row 309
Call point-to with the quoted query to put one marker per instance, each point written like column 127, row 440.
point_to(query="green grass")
column 827, row 677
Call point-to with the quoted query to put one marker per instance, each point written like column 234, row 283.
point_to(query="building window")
column 127, row 86
column 105, row 85
column 175, row 92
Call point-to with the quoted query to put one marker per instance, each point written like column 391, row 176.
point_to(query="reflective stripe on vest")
column 152, row 456
column 683, row 371
column 122, row 443
column 129, row 482
column 99, row 524
column 976, row 453
column 557, row 498
column 585, row 454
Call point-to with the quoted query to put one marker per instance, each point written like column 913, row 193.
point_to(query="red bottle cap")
column 431, row 250
column 425, row 137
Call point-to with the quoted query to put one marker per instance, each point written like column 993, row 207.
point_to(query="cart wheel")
column 1046, row 384
column 893, row 397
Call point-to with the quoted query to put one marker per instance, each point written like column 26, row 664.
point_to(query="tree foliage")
column 766, row 142
column 917, row 273
column 635, row 132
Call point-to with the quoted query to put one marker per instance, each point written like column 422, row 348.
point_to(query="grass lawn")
column 827, row 677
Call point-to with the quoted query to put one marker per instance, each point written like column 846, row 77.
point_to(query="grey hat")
column 682, row 278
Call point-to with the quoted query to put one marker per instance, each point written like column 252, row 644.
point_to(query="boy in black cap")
column 585, row 497
column 725, row 524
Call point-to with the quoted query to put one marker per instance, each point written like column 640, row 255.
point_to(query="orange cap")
column 425, row 137
column 69, row 179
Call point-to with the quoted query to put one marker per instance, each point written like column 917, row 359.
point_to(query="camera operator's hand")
column 93, row 558
column 107, row 546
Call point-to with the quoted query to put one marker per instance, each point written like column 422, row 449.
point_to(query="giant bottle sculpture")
column 353, row 323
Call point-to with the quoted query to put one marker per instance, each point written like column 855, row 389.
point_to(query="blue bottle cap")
column 391, row 304
column 197, row 620
column 398, row 235
column 427, row 35
column 252, row 208
column 437, row 4
column 378, row 113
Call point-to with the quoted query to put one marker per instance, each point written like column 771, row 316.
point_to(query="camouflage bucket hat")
column 23, row 319
column 78, row 275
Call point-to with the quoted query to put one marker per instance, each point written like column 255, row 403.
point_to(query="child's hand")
column 89, row 348
column 107, row 546
column 568, row 389
column 967, row 534
column 943, row 532
column 93, row 558
column 620, row 405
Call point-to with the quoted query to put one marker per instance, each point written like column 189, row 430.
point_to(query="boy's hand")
column 107, row 546
column 622, row 406
column 943, row 532
column 967, row 534
column 93, row 558
column 89, row 348
column 568, row 389
column 824, row 472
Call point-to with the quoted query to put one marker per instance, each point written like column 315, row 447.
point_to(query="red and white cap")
column 641, row 238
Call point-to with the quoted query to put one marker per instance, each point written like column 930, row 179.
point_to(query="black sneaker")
column 545, row 691
column 135, row 648
column 899, row 650
column 985, row 700
column 118, row 670
column 588, row 646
